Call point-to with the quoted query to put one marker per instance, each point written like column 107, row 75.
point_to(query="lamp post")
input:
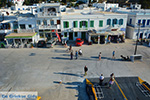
column 139, row 24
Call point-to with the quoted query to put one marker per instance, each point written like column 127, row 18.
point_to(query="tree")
column 145, row 4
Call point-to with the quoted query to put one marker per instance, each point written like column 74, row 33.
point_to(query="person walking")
column 85, row 70
column 101, row 79
column 80, row 52
column 112, row 79
column 113, row 55
column 100, row 56
column 76, row 54
column 71, row 55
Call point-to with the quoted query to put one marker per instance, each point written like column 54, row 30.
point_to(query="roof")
column 20, row 35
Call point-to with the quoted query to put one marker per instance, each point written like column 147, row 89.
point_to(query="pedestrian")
column 76, row 54
column 101, row 79
column 71, row 55
column 85, row 70
column 113, row 55
column 80, row 52
column 70, row 48
column 112, row 79
column 100, row 56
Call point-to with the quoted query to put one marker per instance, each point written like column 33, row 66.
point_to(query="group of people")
column 100, row 55
column 101, row 78
column 76, row 54
column 110, row 82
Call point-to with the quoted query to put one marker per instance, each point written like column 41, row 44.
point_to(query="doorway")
column 83, row 35
column 70, row 35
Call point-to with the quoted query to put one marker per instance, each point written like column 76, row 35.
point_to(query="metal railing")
column 25, row 30
column 47, row 26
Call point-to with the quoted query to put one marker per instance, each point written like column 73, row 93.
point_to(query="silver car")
column 50, row 43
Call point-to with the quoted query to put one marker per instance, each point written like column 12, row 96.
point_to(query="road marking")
column 121, row 90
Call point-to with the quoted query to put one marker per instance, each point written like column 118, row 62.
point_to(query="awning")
column 21, row 35
column 116, row 33
column 96, row 34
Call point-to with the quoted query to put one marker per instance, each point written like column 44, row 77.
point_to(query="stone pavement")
column 40, row 69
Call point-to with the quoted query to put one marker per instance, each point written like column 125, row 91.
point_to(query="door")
column 70, row 35
column 83, row 35
column 141, row 35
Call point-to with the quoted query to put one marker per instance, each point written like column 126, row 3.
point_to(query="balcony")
column 25, row 30
column 44, row 14
column 47, row 27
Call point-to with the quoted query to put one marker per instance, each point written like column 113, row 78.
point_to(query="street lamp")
column 139, row 24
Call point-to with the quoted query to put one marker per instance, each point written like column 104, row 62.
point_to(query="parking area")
column 41, row 69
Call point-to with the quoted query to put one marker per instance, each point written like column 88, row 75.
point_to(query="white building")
column 135, row 17
column 81, row 23
column 48, row 20
column 106, row 6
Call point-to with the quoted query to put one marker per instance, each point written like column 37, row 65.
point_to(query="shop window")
column 76, row 34
column 65, row 34
column 41, row 35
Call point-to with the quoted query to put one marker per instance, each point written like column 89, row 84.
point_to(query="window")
column 148, row 21
column 114, row 21
column 139, row 21
column 38, row 22
column 100, row 23
column 143, row 23
column 66, row 24
column 41, row 35
column 22, row 26
column 65, row 34
column 121, row 22
column 45, row 22
column 75, row 24
column 30, row 26
column 92, row 23
column 108, row 21
column 58, row 22
column 52, row 22
column 76, row 34
column 83, row 23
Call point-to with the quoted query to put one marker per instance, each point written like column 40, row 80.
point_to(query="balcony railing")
column 25, row 30
column 5, row 31
column 44, row 14
column 47, row 27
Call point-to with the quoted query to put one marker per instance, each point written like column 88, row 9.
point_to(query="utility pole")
column 139, row 24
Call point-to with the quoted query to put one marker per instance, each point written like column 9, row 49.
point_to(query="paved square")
column 41, row 69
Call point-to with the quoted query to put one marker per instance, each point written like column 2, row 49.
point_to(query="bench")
column 136, row 57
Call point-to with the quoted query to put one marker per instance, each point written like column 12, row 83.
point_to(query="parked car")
column 79, row 42
column 50, row 43
column 41, row 43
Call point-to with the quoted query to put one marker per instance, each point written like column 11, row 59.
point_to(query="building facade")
column 81, row 23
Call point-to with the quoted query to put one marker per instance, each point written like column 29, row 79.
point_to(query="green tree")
column 145, row 4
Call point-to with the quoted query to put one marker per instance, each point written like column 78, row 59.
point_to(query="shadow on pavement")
column 71, row 74
column 61, row 58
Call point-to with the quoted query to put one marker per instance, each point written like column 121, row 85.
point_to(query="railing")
column 47, row 27
column 43, row 14
column 25, row 30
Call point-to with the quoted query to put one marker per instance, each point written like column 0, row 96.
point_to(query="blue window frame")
column 148, row 21
column 114, row 22
column 120, row 21
column 108, row 21
column 130, row 21
column 143, row 23
column 139, row 21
